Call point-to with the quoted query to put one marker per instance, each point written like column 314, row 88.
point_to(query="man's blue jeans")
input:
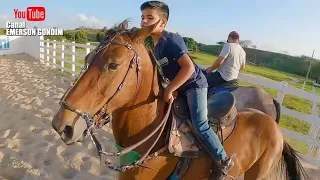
column 197, row 101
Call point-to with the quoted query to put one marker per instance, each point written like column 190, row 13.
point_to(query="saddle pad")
column 182, row 142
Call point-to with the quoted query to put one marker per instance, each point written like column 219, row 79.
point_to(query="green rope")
column 128, row 158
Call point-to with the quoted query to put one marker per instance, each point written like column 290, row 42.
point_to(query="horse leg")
column 265, row 167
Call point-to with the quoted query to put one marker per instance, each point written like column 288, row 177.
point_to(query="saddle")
column 183, row 141
column 222, row 113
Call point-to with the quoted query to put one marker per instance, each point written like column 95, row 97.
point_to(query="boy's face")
column 150, row 16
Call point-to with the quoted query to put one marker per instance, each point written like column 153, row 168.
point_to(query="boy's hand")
column 175, row 94
column 168, row 95
column 209, row 69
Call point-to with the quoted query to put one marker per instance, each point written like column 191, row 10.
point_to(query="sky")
column 285, row 26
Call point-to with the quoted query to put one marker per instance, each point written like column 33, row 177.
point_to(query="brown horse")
column 257, row 98
column 122, row 82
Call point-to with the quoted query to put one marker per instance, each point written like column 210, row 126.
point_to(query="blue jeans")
column 197, row 101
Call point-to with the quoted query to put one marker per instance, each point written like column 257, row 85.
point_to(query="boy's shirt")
column 168, row 50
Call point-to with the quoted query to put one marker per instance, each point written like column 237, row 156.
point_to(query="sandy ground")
column 29, row 147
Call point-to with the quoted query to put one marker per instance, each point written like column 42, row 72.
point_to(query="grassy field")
column 290, row 101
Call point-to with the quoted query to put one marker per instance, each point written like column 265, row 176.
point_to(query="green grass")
column 297, row 104
column 290, row 101
column 299, row 146
column 318, row 91
column 203, row 58
column 294, row 124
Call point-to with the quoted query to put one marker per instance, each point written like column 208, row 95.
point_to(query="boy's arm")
column 216, row 64
column 187, row 69
column 178, row 50
column 244, row 62
column 222, row 56
column 242, row 67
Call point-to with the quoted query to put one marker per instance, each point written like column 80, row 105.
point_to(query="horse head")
column 109, row 80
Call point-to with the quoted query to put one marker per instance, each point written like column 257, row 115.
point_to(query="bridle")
column 103, row 113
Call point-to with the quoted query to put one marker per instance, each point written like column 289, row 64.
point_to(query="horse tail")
column 290, row 164
column 278, row 110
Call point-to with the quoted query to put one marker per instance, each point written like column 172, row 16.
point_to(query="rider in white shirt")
column 231, row 60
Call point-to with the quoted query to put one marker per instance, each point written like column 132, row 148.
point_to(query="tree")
column 81, row 36
column 68, row 35
column 191, row 43
column 100, row 36
column 245, row 43
column 2, row 31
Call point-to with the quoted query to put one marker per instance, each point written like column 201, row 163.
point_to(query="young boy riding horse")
column 185, row 78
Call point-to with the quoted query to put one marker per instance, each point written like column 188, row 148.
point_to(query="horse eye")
column 113, row 66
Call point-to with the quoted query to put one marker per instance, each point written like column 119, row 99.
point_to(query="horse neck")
column 137, row 121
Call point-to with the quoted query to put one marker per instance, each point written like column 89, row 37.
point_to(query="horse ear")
column 140, row 35
column 123, row 25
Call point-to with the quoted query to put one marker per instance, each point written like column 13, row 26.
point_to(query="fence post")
column 88, row 49
column 54, row 53
column 41, row 49
column 87, row 52
column 48, row 52
column 62, row 55
column 314, row 151
column 281, row 92
column 73, row 58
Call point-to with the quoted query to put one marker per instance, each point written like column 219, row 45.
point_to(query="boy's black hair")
column 161, row 7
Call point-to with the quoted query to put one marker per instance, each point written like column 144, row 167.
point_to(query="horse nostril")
column 56, row 124
column 68, row 131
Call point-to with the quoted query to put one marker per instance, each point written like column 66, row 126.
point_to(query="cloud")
column 81, row 19
column 3, row 19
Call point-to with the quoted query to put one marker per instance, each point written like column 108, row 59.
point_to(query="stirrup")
column 228, row 162
column 222, row 173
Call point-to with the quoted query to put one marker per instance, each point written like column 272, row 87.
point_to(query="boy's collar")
column 163, row 34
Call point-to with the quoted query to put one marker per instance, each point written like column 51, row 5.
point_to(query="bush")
column 81, row 36
column 100, row 36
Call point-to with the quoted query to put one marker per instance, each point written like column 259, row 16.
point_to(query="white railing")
column 45, row 45
column 281, row 87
